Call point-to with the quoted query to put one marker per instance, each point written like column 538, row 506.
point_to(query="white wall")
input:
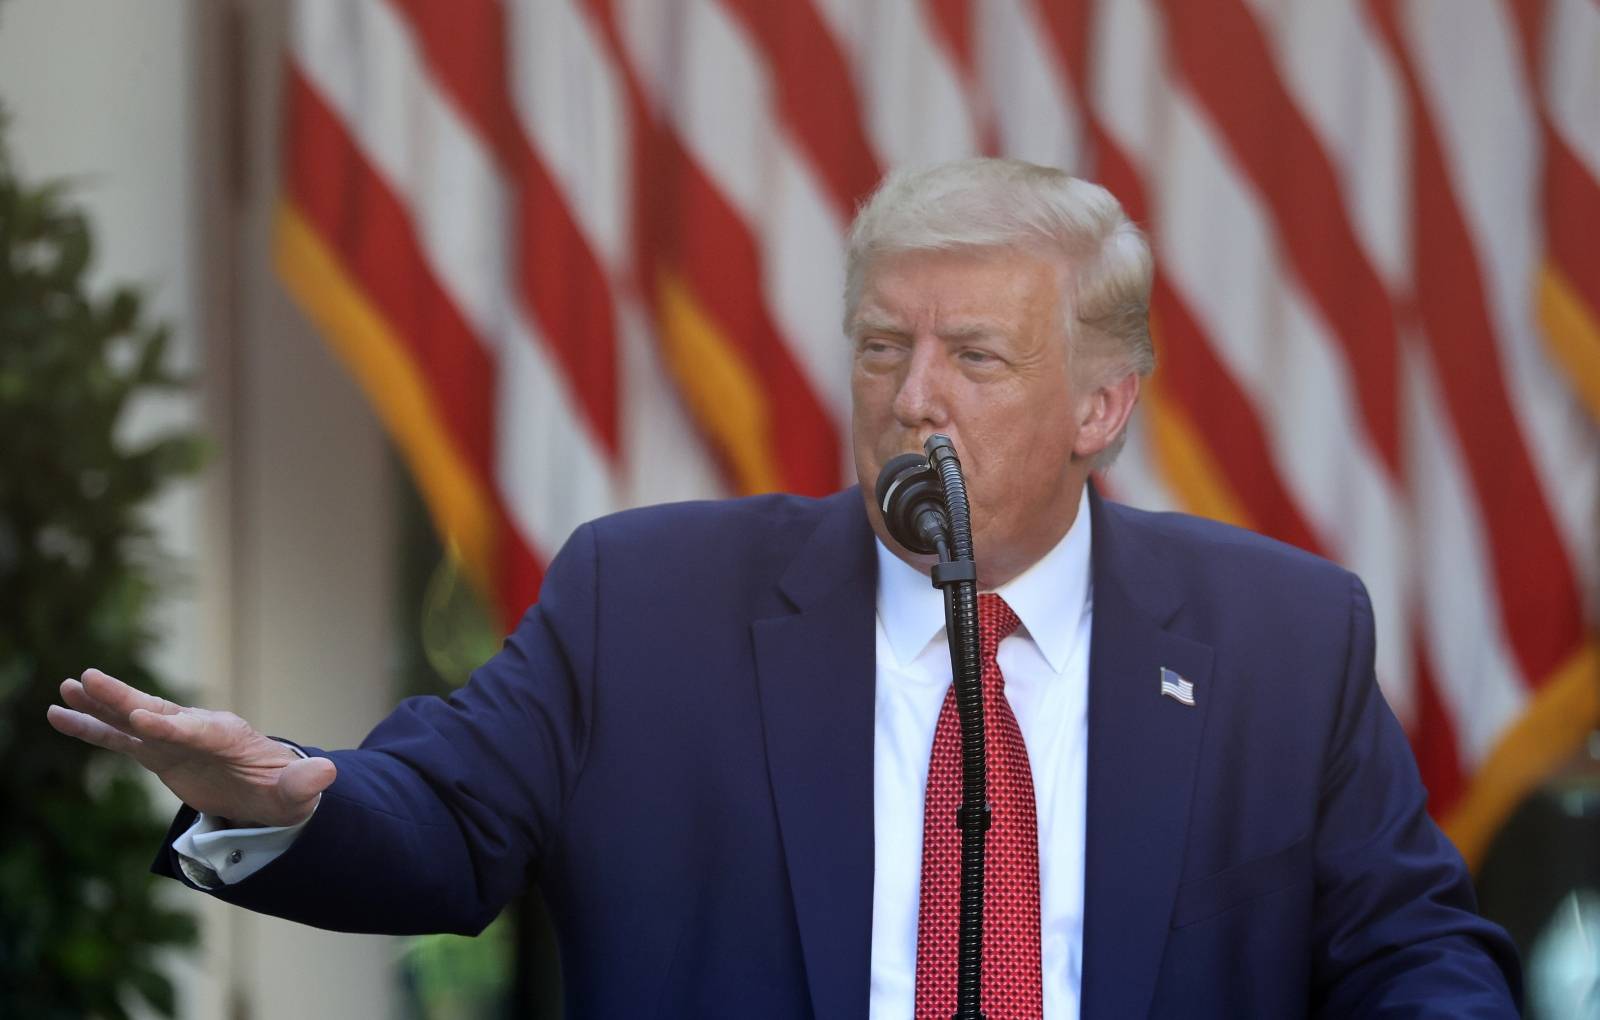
column 287, row 540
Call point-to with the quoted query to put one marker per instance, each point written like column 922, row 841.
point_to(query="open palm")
column 213, row 761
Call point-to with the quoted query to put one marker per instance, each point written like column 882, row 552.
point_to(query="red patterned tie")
column 1011, row 972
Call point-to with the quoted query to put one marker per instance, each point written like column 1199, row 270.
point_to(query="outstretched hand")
column 213, row 761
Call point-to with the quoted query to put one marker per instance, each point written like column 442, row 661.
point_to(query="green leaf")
column 80, row 918
column 156, row 989
column 122, row 310
column 73, row 249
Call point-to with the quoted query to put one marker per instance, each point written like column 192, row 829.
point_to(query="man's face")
column 972, row 344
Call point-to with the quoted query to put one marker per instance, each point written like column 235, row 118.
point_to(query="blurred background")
column 322, row 324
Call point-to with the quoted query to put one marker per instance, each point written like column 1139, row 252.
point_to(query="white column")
column 287, row 540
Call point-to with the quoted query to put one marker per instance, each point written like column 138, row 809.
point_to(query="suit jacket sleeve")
column 1396, row 924
column 437, row 820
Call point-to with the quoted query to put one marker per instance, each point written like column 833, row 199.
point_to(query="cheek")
column 862, row 382
column 1014, row 464
column 869, row 417
column 871, row 397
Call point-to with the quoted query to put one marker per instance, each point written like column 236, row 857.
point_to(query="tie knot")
column 996, row 622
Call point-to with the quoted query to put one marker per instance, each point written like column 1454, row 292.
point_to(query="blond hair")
column 1009, row 203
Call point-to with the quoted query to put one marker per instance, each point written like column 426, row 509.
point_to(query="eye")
column 974, row 356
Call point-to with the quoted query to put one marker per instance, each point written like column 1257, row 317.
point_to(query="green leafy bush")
column 80, row 921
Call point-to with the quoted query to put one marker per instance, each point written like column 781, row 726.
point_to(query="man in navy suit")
column 709, row 740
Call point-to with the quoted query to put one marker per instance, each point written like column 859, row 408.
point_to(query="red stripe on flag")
column 1067, row 24
column 684, row 227
column 1571, row 193
column 361, row 218
column 520, row 572
column 1538, row 594
column 1194, row 377
column 1571, row 218
column 1529, row 18
column 696, row 233
column 817, row 96
column 1190, row 371
column 557, row 274
column 352, row 207
column 952, row 24
column 1433, row 740
column 1221, row 51
column 465, row 47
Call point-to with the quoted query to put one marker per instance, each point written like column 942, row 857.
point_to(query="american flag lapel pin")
column 1176, row 687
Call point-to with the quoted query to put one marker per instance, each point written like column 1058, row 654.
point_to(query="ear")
column 1102, row 413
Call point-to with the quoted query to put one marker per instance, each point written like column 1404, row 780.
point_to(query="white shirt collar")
column 1048, row 597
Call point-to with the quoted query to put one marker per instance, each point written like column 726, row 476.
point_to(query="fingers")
column 121, row 699
column 189, row 729
column 75, row 697
column 90, row 730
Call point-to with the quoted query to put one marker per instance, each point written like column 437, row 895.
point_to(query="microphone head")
column 907, row 487
column 897, row 471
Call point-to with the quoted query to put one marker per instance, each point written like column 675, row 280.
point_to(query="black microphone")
column 912, row 503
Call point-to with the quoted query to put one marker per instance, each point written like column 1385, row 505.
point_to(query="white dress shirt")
column 1046, row 666
column 212, row 853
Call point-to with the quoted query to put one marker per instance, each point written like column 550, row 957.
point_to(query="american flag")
column 585, row 254
column 1176, row 687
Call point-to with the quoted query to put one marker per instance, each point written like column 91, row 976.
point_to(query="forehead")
column 943, row 291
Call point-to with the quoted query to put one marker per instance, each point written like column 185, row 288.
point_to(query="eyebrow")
column 970, row 330
column 868, row 324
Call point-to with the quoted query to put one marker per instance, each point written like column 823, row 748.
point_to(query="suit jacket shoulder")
column 1212, row 561
column 1305, row 828
column 1278, row 618
column 754, row 537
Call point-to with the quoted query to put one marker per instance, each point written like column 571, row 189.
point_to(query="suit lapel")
column 1143, row 749
column 815, row 669
column 815, row 673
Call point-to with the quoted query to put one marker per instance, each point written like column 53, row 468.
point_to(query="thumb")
column 301, row 781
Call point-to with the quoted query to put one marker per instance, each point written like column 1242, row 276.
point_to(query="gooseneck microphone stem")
column 958, row 577
column 924, row 506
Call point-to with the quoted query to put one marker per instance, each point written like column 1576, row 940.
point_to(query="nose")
column 922, row 399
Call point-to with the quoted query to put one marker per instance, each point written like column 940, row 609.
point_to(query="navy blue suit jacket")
column 676, row 744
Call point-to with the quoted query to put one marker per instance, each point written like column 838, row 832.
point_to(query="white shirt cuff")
column 213, row 854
